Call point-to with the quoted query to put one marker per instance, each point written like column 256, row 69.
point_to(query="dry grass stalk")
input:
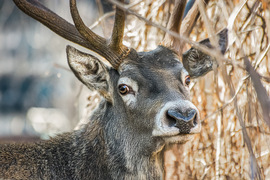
column 233, row 100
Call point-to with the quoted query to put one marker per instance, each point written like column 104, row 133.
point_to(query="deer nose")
column 183, row 120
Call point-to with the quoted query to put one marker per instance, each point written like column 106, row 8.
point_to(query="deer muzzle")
column 183, row 120
column 178, row 121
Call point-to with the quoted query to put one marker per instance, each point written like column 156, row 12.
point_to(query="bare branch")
column 211, row 52
column 102, row 18
column 260, row 90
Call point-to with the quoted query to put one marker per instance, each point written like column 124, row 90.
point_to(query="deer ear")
column 198, row 63
column 89, row 70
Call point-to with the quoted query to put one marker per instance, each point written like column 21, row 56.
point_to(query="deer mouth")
column 178, row 139
column 173, row 136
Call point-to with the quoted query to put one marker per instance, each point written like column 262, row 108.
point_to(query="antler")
column 112, row 50
column 189, row 21
column 179, row 25
column 174, row 25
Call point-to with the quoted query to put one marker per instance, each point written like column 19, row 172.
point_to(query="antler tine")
column 189, row 22
column 113, row 53
column 174, row 25
column 97, row 41
column 116, row 41
column 79, row 33
column 54, row 22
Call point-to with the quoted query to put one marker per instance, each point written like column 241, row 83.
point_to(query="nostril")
column 178, row 115
column 184, row 120
column 171, row 122
column 192, row 116
column 195, row 120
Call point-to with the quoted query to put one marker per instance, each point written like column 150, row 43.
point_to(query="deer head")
column 146, row 94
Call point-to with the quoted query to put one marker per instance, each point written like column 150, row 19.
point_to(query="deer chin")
column 178, row 139
column 174, row 137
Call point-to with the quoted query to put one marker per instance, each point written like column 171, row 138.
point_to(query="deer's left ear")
column 198, row 63
column 90, row 71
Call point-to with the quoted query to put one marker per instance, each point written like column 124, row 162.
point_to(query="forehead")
column 161, row 60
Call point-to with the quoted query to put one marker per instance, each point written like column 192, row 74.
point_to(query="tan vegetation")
column 234, row 142
column 235, row 138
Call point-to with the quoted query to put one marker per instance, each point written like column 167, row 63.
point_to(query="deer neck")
column 125, row 157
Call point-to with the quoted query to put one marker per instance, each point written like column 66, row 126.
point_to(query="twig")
column 218, row 145
column 131, row 5
column 261, row 56
column 105, row 16
column 61, row 67
column 240, row 86
column 260, row 90
column 212, row 52
column 101, row 13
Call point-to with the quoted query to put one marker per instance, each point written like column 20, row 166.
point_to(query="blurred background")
column 38, row 93
column 40, row 97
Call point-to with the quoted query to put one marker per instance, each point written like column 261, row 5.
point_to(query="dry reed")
column 233, row 101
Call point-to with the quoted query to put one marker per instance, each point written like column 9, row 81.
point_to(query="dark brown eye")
column 187, row 80
column 123, row 89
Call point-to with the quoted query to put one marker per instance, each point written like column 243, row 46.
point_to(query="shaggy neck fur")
column 120, row 153
column 94, row 152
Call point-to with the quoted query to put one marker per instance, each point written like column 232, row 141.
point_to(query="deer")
column 145, row 104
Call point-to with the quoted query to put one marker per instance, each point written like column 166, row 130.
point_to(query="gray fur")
column 120, row 141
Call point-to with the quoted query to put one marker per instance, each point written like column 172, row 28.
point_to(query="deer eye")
column 187, row 80
column 123, row 89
